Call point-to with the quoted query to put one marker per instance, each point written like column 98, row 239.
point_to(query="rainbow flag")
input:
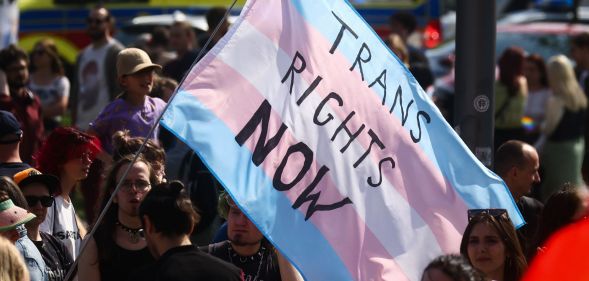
column 329, row 145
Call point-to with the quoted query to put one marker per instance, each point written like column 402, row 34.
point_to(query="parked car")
column 137, row 27
column 544, row 38
column 544, row 32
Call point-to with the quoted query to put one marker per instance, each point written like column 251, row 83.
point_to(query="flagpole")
column 151, row 130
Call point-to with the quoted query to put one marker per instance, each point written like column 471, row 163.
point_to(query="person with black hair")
column 491, row 245
column 451, row 267
column 215, row 17
column 117, row 249
column 21, row 102
column 564, row 207
column 404, row 24
column 38, row 190
column 168, row 219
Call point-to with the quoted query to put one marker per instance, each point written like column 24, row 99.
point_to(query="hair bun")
column 120, row 138
column 176, row 187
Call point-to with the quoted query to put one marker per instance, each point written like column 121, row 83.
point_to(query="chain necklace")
column 243, row 260
column 133, row 233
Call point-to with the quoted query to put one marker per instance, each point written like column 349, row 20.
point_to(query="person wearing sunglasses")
column 117, row 248
column 96, row 77
column 38, row 190
column 491, row 245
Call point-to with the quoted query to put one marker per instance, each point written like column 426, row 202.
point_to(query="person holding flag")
column 321, row 136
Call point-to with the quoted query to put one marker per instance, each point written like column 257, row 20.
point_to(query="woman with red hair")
column 67, row 153
column 511, row 93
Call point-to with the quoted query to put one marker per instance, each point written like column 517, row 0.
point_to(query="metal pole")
column 475, row 76
column 73, row 268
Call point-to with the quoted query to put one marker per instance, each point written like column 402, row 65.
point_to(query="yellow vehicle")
column 65, row 20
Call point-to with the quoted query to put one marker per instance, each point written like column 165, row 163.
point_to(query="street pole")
column 475, row 76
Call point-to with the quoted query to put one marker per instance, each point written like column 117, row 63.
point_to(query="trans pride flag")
column 329, row 145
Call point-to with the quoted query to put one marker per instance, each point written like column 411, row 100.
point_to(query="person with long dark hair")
column 511, row 91
column 562, row 208
column 168, row 218
column 117, row 249
column 48, row 82
column 491, row 245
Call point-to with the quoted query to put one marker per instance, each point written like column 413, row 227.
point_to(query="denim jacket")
column 32, row 258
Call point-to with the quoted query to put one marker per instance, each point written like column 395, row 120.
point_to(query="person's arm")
column 89, row 267
column 59, row 106
column 287, row 271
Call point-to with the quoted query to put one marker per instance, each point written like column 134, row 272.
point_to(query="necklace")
column 243, row 260
column 133, row 233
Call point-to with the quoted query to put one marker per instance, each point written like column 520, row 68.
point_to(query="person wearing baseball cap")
column 134, row 109
column 38, row 189
column 11, row 135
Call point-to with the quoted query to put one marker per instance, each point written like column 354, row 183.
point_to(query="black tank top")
column 571, row 126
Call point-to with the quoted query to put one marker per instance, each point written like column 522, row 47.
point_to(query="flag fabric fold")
column 329, row 145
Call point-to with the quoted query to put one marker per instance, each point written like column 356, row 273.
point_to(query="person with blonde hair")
column 13, row 267
column 562, row 141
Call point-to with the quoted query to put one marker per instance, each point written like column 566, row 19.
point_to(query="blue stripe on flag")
column 452, row 157
column 198, row 127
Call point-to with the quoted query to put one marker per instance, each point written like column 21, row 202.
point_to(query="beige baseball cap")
column 132, row 60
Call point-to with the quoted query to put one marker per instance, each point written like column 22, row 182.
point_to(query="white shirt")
column 61, row 223
column 93, row 93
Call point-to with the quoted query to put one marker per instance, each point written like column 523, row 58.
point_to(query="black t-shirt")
column 9, row 169
column 178, row 67
column 262, row 266
column 122, row 262
column 531, row 210
column 55, row 255
column 190, row 264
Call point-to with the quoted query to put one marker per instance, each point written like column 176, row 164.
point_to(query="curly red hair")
column 62, row 145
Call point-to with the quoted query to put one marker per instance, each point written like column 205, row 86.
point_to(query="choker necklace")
column 243, row 260
column 133, row 233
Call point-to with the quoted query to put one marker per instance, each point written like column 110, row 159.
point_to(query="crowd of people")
column 160, row 222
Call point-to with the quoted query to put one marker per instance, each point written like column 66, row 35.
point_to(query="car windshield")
column 543, row 44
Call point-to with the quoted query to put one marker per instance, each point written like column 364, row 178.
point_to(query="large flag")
column 329, row 144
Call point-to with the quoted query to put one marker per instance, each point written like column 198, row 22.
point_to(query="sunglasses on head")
column 46, row 201
column 496, row 213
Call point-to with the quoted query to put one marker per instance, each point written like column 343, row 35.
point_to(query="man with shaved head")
column 517, row 163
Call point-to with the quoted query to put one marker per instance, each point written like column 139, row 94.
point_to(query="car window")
column 542, row 44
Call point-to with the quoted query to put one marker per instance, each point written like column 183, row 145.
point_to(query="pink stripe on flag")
column 421, row 183
column 359, row 249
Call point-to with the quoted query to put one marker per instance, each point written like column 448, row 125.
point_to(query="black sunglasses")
column 46, row 201
column 496, row 213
